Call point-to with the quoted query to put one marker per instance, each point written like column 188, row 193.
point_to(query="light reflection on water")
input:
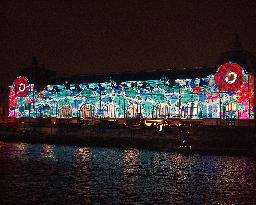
column 38, row 174
column 131, row 161
column 48, row 151
column 83, row 154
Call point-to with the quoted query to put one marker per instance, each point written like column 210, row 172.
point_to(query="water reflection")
column 131, row 164
column 2, row 145
column 131, row 160
column 21, row 148
column 85, row 175
column 181, row 167
column 234, row 173
column 47, row 151
column 83, row 179
column 83, row 154
column 17, row 150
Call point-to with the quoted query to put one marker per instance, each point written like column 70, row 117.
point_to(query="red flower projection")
column 12, row 99
column 21, row 87
column 229, row 77
column 197, row 90
column 246, row 92
column 41, row 95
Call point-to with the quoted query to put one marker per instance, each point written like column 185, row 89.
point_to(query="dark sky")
column 91, row 36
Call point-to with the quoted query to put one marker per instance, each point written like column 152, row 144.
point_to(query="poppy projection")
column 229, row 77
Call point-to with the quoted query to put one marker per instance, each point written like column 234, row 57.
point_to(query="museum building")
column 223, row 91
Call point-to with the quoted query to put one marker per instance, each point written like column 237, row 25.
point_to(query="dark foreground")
column 50, row 174
column 198, row 139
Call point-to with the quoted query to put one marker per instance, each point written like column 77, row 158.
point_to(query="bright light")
column 231, row 77
column 160, row 128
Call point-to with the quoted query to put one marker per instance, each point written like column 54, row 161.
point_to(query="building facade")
column 224, row 91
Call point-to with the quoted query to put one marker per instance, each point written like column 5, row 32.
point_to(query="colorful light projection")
column 232, row 80
column 229, row 77
column 21, row 87
column 228, row 94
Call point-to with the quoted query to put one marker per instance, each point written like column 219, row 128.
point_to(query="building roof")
column 174, row 73
column 42, row 76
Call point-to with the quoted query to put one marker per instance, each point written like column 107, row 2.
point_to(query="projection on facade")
column 228, row 93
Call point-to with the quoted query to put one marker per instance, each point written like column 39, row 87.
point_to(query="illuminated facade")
column 226, row 92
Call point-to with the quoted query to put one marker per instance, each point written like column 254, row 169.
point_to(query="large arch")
column 66, row 111
column 87, row 110
column 231, row 110
column 43, row 111
column 134, row 110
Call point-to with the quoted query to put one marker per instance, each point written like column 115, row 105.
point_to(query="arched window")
column 86, row 110
column 231, row 110
column 47, row 111
column 134, row 110
column 163, row 110
column 66, row 111
column 43, row 111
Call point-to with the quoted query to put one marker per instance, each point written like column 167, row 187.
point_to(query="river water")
column 48, row 174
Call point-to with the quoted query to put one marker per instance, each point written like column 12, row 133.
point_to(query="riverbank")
column 192, row 138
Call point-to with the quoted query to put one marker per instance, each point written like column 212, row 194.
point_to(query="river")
column 49, row 174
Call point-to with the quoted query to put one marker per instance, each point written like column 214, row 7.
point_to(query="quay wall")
column 201, row 137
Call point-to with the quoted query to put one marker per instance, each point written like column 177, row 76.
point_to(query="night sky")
column 94, row 37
